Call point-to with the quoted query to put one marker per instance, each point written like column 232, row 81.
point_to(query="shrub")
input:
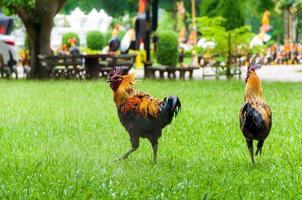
column 95, row 40
column 68, row 36
column 167, row 50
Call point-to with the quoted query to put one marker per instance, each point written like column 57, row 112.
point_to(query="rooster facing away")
column 142, row 115
column 255, row 115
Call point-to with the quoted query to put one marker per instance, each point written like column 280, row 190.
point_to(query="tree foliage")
column 210, row 8
column 166, row 22
column 169, row 5
column 213, row 30
column 265, row 5
column 85, row 6
column 29, row 4
column 228, row 43
column 37, row 17
column 231, row 10
column 289, row 3
column 114, row 8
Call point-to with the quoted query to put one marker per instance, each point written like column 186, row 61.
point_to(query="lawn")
column 59, row 139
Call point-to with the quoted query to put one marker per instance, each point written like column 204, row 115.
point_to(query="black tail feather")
column 176, row 106
column 174, row 103
column 253, row 121
column 170, row 108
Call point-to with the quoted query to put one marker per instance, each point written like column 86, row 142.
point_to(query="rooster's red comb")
column 255, row 63
column 115, row 71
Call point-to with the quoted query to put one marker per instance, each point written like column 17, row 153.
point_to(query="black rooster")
column 142, row 115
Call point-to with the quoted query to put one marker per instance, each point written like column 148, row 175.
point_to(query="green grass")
column 58, row 139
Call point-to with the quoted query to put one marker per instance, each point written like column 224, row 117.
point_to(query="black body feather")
column 150, row 127
column 253, row 123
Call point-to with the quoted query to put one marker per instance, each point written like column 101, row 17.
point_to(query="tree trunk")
column 290, row 25
column 38, row 24
column 286, row 25
column 39, row 40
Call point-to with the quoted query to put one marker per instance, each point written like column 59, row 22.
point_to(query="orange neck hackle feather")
column 125, row 89
column 125, row 100
column 253, row 89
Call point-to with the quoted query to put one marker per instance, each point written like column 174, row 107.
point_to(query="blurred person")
column 114, row 43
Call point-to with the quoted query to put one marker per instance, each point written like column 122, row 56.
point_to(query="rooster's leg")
column 154, row 147
column 259, row 147
column 250, row 147
column 135, row 145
